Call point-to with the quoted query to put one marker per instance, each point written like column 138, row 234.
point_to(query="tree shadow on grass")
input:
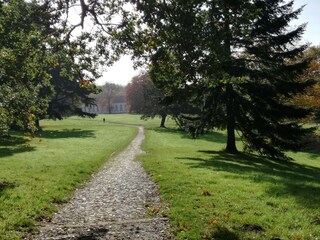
column 314, row 155
column 13, row 145
column 67, row 133
column 6, row 185
column 212, row 136
column 223, row 233
column 286, row 177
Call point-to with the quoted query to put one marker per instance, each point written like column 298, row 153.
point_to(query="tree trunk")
column 231, row 123
column 109, row 106
column 37, row 124
column 163, row 120
column 231, row 138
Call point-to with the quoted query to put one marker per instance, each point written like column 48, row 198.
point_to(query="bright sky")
column 310, row 15
column 122, row 71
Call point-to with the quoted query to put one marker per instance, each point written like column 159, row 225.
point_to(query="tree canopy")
column 144, row 98
column 24, row 62
column 237, row 61
column 48, row 64
column 234, row 59
column 311, row 97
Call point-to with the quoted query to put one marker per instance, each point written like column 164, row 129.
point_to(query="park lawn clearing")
column 136, row 120
column 214, row 195
column 39, row 174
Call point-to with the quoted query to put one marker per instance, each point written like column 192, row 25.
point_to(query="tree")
column 24, row 63
column 135, row 95
column 144, row 98
column 39, row 48
column 109, row 92
column 310, row 98
column 69, row 96
column 233, row 58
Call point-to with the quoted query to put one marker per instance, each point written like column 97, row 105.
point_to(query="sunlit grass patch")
column 39, row 173
column 214, row 195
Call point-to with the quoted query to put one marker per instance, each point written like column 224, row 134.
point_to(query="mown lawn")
column 39, row 174
column 209, row 194
column 213, row 195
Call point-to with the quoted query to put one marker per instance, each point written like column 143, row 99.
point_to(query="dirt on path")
column 113, row 205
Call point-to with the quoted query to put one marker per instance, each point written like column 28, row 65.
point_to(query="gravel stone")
column 112, row 205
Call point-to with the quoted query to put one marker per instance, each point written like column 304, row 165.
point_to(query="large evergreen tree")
column 235, row 58
column 69, row 96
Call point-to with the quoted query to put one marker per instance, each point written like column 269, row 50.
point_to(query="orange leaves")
column 85, row 83
column 206, row 193
column 213, row 222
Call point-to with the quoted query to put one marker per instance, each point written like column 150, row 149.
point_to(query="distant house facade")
column 91, row 109
column 118, row 106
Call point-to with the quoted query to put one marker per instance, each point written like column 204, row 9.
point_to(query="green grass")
column 38, row 174
column 213, row 195
column 134, row 119
column 209, row 194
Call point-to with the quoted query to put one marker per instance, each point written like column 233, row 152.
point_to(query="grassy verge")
column 213, row 195
column 38, row 174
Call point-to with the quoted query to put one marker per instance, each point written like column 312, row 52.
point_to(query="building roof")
column 119, row 99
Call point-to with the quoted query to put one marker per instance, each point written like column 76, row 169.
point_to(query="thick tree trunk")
column 163, row 120
column 231, row 138
column 231, row 123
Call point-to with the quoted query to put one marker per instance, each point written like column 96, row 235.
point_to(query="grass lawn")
column 38, row 174
column 135, row 119
column 209, row 194
column 213, row 195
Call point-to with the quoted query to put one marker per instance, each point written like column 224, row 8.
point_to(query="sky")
column 122, row 71
column 311, row 16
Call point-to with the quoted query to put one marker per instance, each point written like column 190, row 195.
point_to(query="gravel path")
column 113, row 205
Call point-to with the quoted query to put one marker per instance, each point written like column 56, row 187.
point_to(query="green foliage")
column 310, row 98
column 24, row 63
column 39, row 38
column 233, row 59
column 69, row 95
column 37, row 174
column 144, row 98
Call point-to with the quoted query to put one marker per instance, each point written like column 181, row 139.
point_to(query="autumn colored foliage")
column 311, row 97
